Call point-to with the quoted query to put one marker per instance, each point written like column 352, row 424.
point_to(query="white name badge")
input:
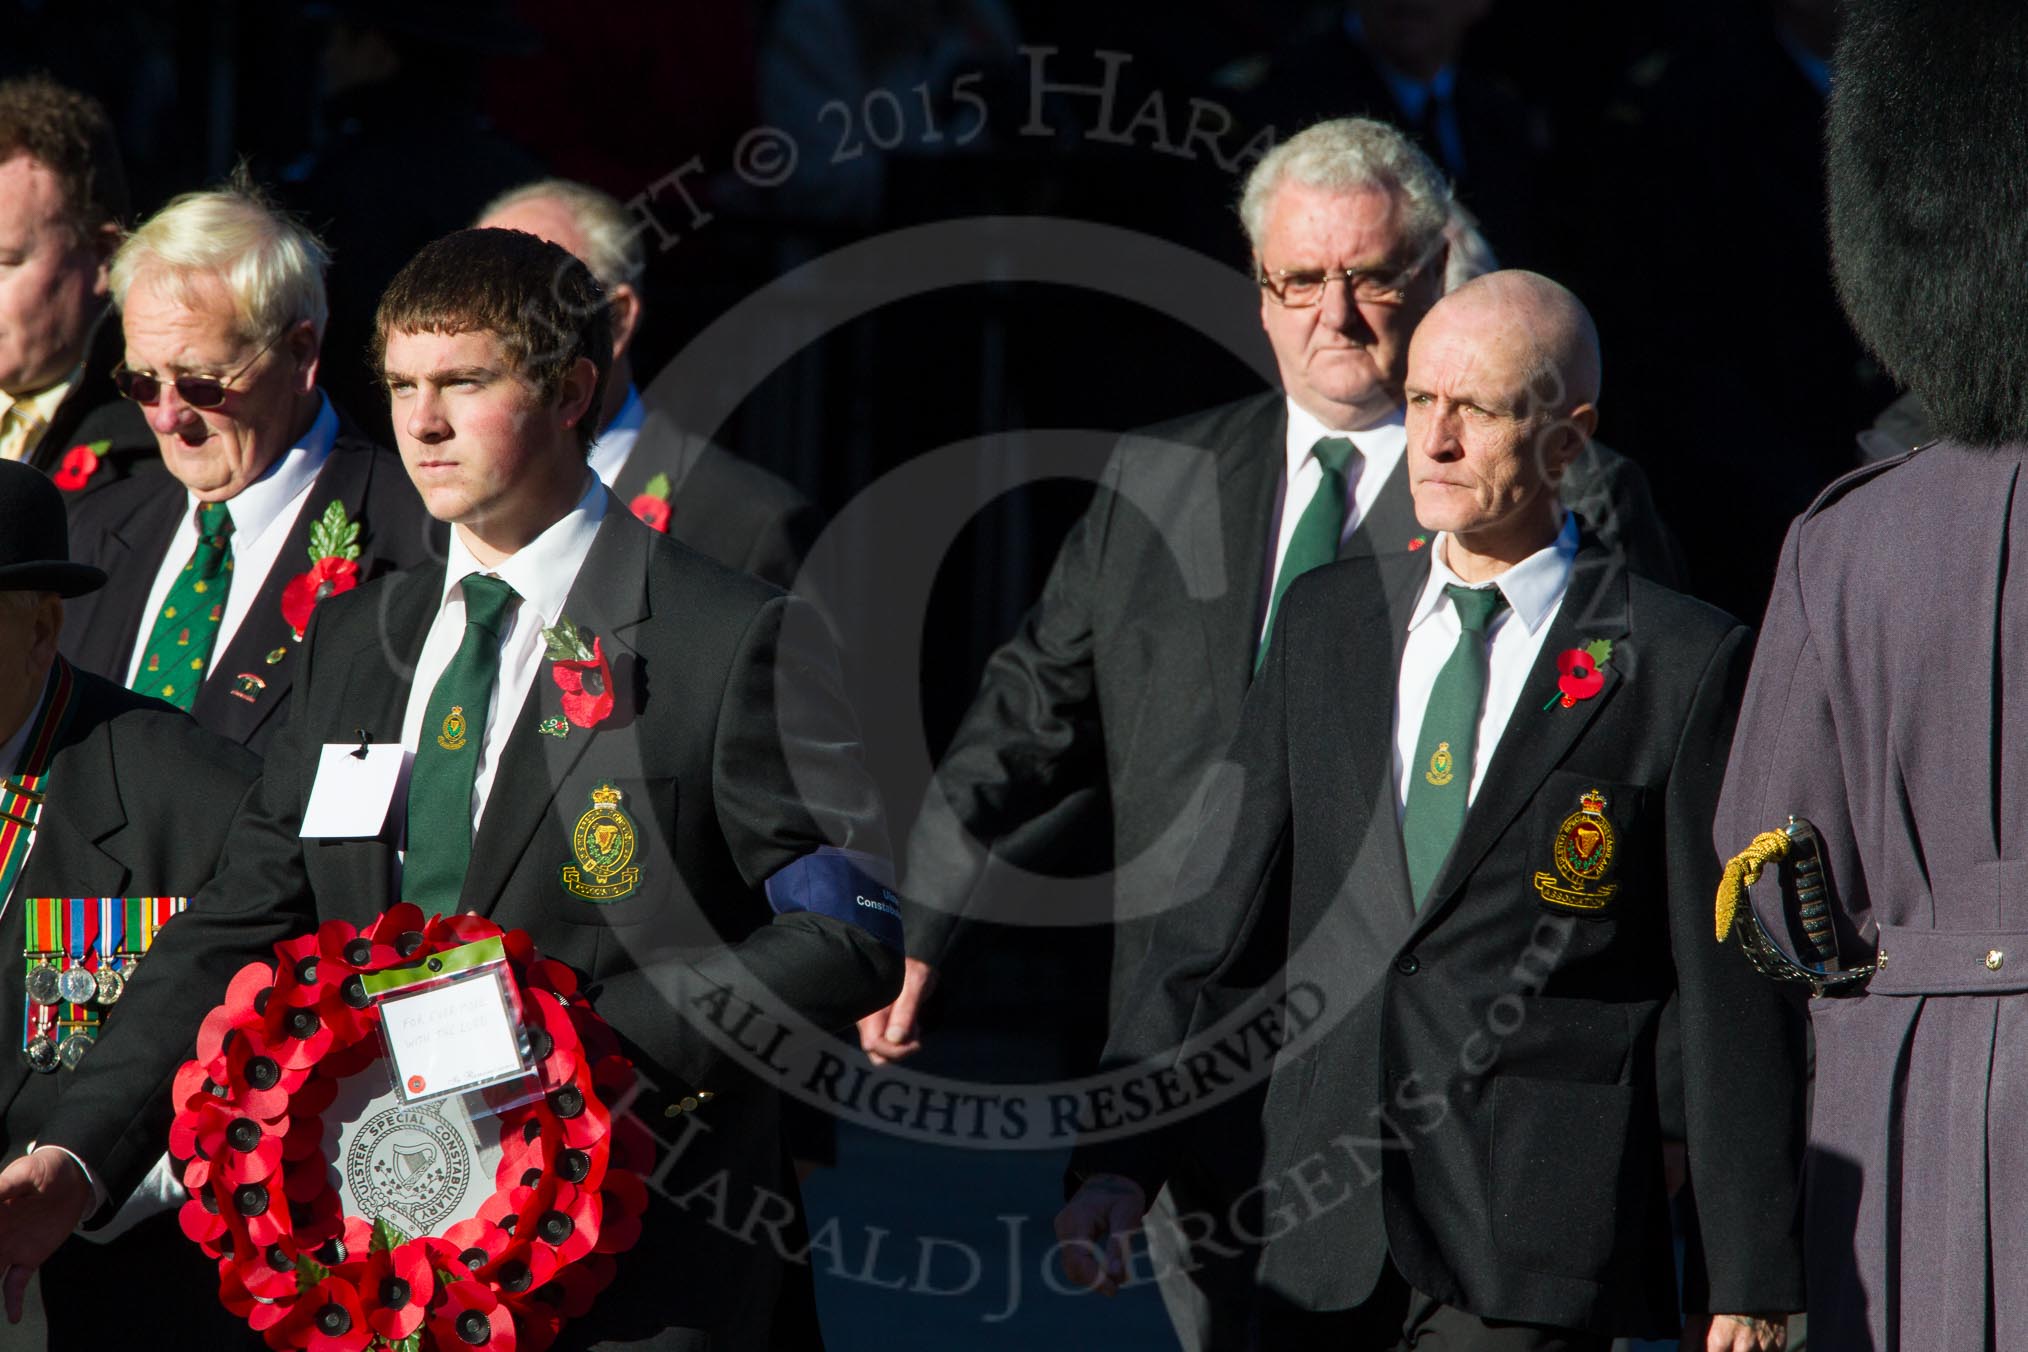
column 352, row 792
column 451, row 1023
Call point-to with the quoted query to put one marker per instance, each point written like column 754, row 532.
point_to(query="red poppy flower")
column 262, row 1313
column 572, row 1223
column 1577, row 674
column 270, row 1274
column 449, row 931
column 394, row 938
column 552, row 1038
column 255, row 1080
column 550, row 975
column 246, row 1150
column 329, row 1318
column 397, row 1288
column 298, row 1034
column 265, row 1213
column 624, row 1200
column 472, row 1316
column 478, row 1240
column 613, row 1077
column 587, row 687
column 80, row 462
column 327, row 577
column 578, row 1285
column 652, row 510
column 1417, row 543
column 244, row 1000
column 201, row 1220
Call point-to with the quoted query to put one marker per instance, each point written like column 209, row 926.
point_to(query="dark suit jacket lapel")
column 661, row 448
column 222, row 704
column 1249, row 478
column 1366, row 721
column 1390, row 524
column 374, row 702
column 1535, row 739
column 608, row 599
column 133, row 554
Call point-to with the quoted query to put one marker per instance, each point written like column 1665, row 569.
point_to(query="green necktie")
column 1315, row 540
column 447, row 753
column 1441, row 775
column 179, row 646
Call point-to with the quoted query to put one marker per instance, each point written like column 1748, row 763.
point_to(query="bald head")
column 1525, row 310
column 1503, row 377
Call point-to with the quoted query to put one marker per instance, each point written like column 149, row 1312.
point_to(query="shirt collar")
column 261, row 503
column 542, row 571
column 609, row 449
column 1532, row 587
column 1385, row 439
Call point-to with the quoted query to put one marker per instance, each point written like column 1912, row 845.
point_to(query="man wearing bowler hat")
column 113, row 806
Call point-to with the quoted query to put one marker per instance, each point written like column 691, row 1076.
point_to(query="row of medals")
column 46, row 986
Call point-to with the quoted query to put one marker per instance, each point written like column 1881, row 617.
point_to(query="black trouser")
column 1399, row 1318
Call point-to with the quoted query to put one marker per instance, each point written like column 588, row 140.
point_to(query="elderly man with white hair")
column 268, row 502
column 1165, row 595
column 678, row 483
column 1469, row 812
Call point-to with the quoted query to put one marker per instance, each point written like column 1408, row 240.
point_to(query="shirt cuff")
column 98, row 1190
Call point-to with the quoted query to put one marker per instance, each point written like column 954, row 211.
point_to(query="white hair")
column 1347, row 154
column 272, row 267
column 612, row 237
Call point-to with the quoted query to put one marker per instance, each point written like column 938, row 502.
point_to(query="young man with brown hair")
column 725, row 743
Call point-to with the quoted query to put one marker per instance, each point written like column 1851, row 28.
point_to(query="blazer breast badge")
column 1583, row 853
column 603, row 842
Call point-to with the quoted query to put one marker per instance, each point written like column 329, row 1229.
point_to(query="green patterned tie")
column 179, row 646
column 1440, row 777
column 447, row 753
column 1315, row 540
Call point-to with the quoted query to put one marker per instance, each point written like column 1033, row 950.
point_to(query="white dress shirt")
column 609, row 452
column 541, row 573
column 1534, row 590
column 262, row 516
column 1379, row 449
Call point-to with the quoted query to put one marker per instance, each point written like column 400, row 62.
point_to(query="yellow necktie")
column 19, row 430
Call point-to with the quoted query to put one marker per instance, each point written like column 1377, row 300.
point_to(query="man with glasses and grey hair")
column 267, row 501
column 1164, row 596
column 679, row 484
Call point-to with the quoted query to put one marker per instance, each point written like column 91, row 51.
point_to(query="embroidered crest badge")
column 1583, row 853
column 1439, row 772
column 603, row 842
column 453, row 735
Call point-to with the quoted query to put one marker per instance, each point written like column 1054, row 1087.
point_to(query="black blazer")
column 1475, row 1091
column 127, row 528
column 139, row 801
column 736, row 756
column 1095, row 723
column 723, row 507
column 93, row 411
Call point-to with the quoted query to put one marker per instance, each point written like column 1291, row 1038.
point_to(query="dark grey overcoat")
column 1889, row 704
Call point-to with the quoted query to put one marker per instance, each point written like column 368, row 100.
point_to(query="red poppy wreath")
column 250, row 1137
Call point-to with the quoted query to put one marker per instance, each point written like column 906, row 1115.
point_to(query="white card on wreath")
column 451, row 1036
